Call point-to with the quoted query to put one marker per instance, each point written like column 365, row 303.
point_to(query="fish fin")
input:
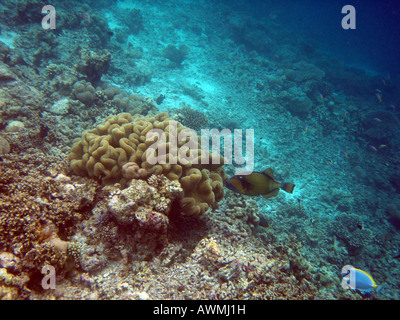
column 269, row 173
column 366, row 291
column 379, row 289
column 288, row 187
column 272, row 193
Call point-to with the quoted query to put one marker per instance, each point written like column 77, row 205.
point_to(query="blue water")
column 373, row 45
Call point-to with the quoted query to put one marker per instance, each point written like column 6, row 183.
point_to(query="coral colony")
column 143, row 146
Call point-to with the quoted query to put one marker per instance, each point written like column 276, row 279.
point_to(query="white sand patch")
column 207, row 86
column 8, row 38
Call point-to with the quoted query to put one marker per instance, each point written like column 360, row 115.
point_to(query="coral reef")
column 4, row 146
column 395, row 181
column 84, row 92
column 190, row 260
column 106, row 97
column 143, row 208
column 18, row 98
column 239, row 208
column 349, row 228
column 24, row 12
column 15, row 126
column 303, row 71
column 137, row 72
column 117, row 225
column 59, row 79
column 93, row 64
column 122, row 139
column 133, row 19
column 380, row 132
column 191, row 118
column 39, row 206
column 393, row 214
column 140, row 199
column 296, row 101
column 176, row 55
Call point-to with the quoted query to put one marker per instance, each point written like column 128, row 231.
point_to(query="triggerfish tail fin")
column 288, row 187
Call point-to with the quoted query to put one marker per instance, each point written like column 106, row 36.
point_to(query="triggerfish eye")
column 234, row 184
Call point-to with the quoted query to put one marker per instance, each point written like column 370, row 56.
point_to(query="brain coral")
column 84, row 92
column 4, row 146
column 121, row 142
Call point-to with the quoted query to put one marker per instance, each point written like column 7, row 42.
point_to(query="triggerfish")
column 361, row 280
column 258, row 183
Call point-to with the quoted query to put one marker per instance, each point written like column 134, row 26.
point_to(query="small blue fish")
column 378, row 120
column 361, row 280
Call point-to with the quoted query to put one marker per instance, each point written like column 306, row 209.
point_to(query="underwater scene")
column 199, row 150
